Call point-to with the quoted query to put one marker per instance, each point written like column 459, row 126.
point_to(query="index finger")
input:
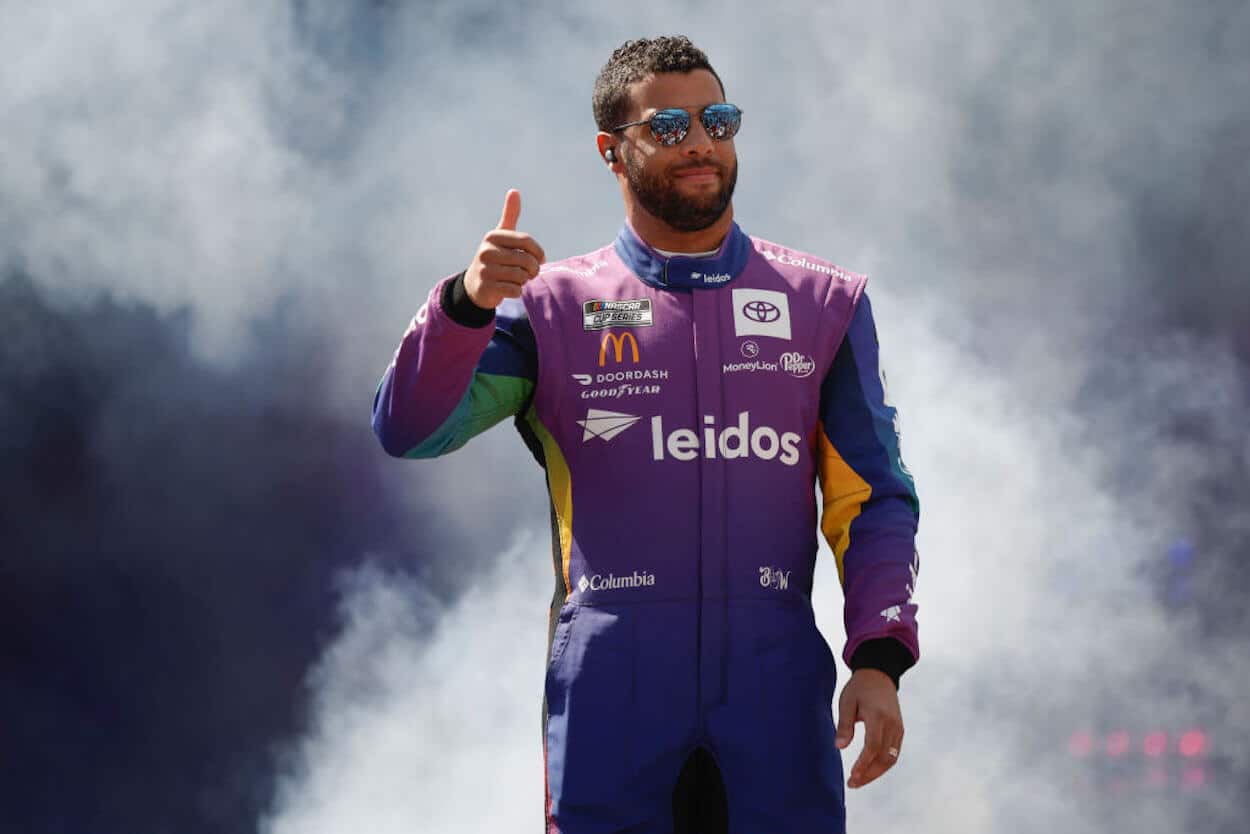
column 510, row 239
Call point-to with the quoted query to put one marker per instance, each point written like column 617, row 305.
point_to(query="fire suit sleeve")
column 870, row 509
column 458, row 371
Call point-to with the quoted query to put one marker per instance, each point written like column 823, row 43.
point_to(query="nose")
column 697, row 142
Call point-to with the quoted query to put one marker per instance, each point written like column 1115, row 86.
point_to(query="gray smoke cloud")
column 1049, row 197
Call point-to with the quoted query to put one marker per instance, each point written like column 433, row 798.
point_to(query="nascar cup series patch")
column 598, row 314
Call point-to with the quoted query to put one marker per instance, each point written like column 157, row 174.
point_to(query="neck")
column 659, row 235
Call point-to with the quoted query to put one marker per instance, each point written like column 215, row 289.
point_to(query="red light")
column 1117, row 743
column 1081, row 743
column 1155, row 744
column 1192, row 744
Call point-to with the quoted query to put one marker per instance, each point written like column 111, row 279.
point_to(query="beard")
column 658, row 194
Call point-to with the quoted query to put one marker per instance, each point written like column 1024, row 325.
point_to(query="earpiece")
column 609, row 155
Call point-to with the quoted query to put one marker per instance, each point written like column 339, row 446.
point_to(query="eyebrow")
column 683, row 107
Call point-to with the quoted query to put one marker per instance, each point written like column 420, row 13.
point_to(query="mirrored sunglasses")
column 669, row 127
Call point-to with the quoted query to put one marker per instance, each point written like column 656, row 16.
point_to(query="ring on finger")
column 893, row 751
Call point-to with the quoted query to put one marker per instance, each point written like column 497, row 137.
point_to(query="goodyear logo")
column 598, row 314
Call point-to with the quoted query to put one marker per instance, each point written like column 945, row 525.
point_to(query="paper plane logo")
column 605, row 425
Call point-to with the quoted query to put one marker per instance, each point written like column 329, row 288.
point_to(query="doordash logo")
column 730, row 443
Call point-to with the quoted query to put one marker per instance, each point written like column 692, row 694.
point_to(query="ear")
column 607, row 142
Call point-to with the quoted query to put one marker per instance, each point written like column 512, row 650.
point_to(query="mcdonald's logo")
column 618, row 345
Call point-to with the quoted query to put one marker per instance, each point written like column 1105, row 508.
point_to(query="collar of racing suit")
column 684, row 271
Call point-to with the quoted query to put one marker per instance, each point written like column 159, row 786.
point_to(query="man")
column 684, row 387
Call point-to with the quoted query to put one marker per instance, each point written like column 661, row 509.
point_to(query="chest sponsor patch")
column 605, row 425
column 797, row 364
column 598, row 314
column 761, row 313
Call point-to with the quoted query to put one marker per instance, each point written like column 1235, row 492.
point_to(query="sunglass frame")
column 681, row 117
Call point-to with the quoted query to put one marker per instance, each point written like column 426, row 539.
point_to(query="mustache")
column 719, row 166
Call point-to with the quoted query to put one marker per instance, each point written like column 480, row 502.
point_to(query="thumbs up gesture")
column 505, row 260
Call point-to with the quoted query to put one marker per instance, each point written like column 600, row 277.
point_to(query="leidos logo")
column 731, row 442
column 618, row 342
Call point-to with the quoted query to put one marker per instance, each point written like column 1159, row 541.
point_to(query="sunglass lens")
column 721, row 121
column 670, row 126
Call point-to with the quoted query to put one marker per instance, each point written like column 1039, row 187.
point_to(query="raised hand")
column 505, row 260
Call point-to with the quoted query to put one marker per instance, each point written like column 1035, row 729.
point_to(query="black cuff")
column 884, row 654
column 460, row 308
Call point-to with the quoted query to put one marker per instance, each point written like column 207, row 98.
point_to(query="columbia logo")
column 612, row 582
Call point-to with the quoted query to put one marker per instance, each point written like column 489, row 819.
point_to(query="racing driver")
column 684, row 388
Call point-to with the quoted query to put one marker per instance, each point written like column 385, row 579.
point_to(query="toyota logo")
column 761, row 311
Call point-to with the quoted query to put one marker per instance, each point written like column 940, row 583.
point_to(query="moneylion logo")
column 618, row 341
column 611, row 582
column 751, row 366
column 605, row 425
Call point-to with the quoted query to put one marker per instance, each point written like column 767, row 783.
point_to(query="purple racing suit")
column 684, row 410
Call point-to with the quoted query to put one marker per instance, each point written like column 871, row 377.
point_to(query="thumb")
column 846, row 724
column 511, row 210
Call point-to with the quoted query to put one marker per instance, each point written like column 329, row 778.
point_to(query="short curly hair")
column 636, row 60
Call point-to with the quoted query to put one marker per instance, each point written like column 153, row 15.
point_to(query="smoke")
column 171, row 533
column 229, row 213
column 427, row 713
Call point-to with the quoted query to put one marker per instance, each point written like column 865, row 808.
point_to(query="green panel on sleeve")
column 490, row 399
